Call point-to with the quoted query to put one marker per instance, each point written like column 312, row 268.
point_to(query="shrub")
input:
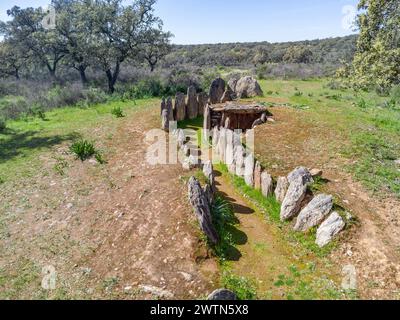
column 2, row 125
column 244, row 288
column 117, row 112
column 395, row 93
column 83, row 149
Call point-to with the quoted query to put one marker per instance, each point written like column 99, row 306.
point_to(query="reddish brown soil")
column 372, row 245
column 107, row 229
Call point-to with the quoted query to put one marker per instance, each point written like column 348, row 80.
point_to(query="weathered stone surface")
column 222, row 295
column 208, row 170
column 316, row 173
column 155, row 291
column 282, row 186
column 165, row 120
column 180, row 106
column 208, row 191
column 260, row 121
column 257, row 176
column 163, row 106
column 292, row 203
column 267, row 184
column 215, row 137
column 301, row 172
column 227, row 96
column 180, row 138
column 239, row 160
column 314, row 213
column 217, row 90
column 207, row 123
column 248, row 87
column 229, row 153
column 249, row 170
column 192, row 106
column 227, row 122
column 329, row 229
column 222, row 144
column 232, row 84
column 202, row 102
column 170, row 109
column 201, row 208
column 349, row 274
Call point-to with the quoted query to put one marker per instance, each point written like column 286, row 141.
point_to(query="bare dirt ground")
column 372, row 245
column 120, row 230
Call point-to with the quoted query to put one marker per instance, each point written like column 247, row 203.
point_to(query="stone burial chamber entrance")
column 233, row 115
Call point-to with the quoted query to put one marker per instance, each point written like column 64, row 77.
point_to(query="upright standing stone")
column 249, row 170
column 266, row 184
column 282, row 186
column 222, row 144
column 302, row 172
column 227, row 96
column 208, row 171
column 192, row 106
column 217, row 90
column 232, row 84
column 229, row 153
column 294, row 197
column 163, row 106
column 257, row 176
column 239, row 160
column 165, row 120
column 202, row 102
column 170, row 109
column 180, row 107
column 215, row 137
column 181, row 139
column 207, row 124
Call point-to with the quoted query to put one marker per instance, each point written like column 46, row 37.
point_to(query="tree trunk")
column 17, row 74
column 152, row 66
column 112, row 77
column 82, row 73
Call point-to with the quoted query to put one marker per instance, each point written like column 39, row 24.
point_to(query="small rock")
column 222, row 295
column 314, row 213
column 329, row 229
column 158, row 292
column 292, row 203
column 397, row 162
column 316, row 173
column 186, row 276
column 300, row 172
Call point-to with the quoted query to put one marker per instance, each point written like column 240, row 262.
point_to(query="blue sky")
column 215, row 21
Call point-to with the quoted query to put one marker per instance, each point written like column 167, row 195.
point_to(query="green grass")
column 244, row 288
column 366, row 127
column 25, row 139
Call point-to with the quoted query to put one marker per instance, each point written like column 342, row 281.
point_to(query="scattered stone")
column 158, row 292
column 282, row 186
column 267, row 186
column 349, row 281
column 180, row 107
column 192, row 106
column 249, row 169
column 222, row 295
column 316, row 173
column 201, row 207
column 248, row 87
column 292, row 203
column 217, row 90
column 257, row 176
column 165, row 120
column 202, row 102
column 186, row 276
column 314, row 213
column 329, row 229
column 300, row 172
